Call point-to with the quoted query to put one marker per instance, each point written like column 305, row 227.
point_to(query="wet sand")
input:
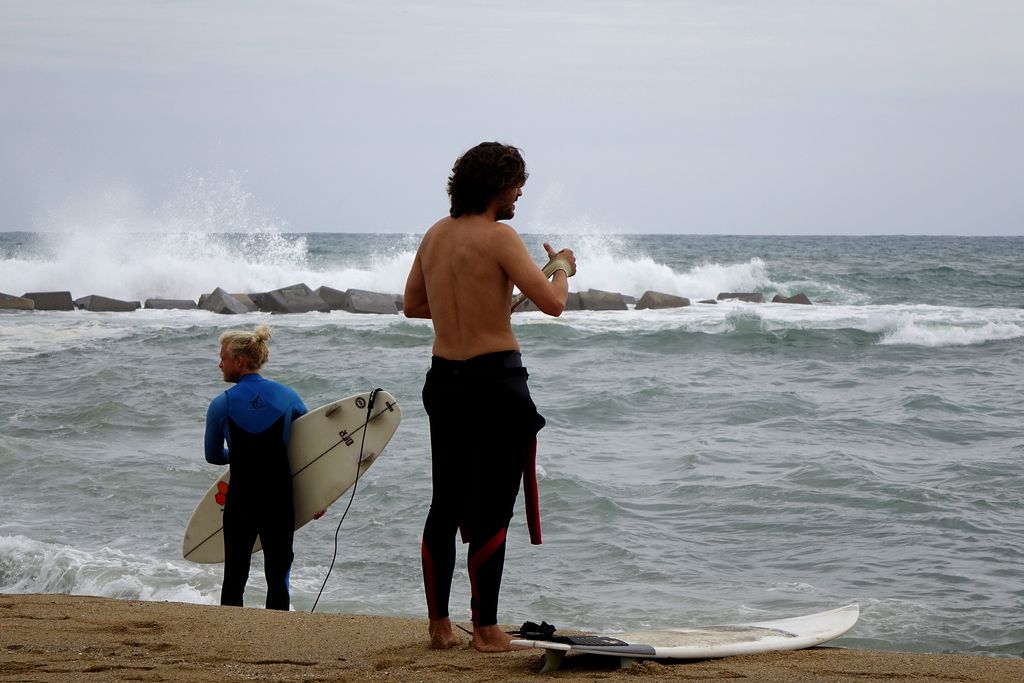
column 73, row 638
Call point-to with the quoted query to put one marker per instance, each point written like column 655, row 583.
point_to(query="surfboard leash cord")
column 355, row 484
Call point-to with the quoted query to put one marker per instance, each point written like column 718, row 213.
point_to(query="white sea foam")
column 634, row 276
column 212, row 234
column 912, row 332
column 605, row 263
column 20, row 338
column 29, row 566
column 937, row 326
column 933, row 326
column 138, row 266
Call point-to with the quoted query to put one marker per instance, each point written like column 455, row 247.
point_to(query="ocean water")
column 710, row 464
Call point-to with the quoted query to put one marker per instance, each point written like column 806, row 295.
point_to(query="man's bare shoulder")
column 506, row 237
column 437, row 227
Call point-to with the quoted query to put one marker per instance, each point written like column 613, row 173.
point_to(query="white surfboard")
column 323, row 453
column 706, row 642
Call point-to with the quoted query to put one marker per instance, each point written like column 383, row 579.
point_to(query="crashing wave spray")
column 617, row 263
column 211, row 234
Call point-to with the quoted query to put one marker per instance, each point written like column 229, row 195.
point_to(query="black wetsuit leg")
column 487, row 525
column 277, row 531
column 240, row 532
column 437, row 556
column 437, row 549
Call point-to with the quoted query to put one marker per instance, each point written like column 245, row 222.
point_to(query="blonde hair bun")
column 250, row 345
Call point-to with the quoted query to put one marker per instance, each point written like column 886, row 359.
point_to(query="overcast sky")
column 687, row 116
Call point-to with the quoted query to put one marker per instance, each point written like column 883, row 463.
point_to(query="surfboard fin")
column 552, row 661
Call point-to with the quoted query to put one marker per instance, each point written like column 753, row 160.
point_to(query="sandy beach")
column 73, row 638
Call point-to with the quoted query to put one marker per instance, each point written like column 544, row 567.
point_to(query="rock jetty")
column 300, row 298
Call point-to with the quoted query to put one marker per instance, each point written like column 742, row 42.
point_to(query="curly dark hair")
column 481, row 174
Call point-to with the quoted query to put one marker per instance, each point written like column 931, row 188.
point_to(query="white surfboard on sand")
column 324, row 457
column 707, row 642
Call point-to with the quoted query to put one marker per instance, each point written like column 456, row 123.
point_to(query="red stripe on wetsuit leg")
column 479, row 558
column 428, row 582
column 531, row 494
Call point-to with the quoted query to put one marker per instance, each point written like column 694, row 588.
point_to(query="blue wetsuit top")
column 254, row 404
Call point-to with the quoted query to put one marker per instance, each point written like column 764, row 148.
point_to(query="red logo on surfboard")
column 222, row 492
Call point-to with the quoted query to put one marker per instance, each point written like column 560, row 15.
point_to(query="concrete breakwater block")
column 168, row 304
column 335, row 298
column 597, row 300
column 572, row 303
column 359, row 301
column 220, row 301
column 9, row 302
column 102, row 304
column 292, row 299
column 800, row 298
column 526, row 306
column 51, row 301
column 751, row 297
column 652, row 299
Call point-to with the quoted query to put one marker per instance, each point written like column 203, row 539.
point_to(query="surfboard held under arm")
column 324, row 456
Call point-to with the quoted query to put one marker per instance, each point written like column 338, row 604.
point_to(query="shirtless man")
column 483, row 423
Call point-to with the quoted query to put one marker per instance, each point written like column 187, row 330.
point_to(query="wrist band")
column 558, row 263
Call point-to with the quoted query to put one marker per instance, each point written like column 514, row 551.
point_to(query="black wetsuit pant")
column 483, row 427
column 259, row 503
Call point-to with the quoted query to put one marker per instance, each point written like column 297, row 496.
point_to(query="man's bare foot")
column 492, row 639
column 441, row 635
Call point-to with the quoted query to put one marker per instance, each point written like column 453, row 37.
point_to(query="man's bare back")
column 462, row 279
